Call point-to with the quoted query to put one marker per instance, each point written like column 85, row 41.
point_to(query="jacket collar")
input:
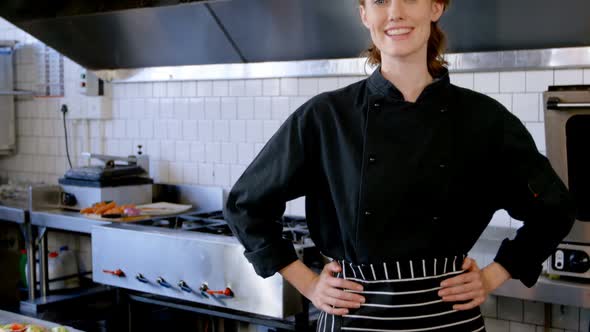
column 378, row 85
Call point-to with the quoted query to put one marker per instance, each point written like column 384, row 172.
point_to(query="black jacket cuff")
column 519, row 268
column 270, row 259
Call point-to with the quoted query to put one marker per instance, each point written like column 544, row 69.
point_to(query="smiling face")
column 400, row 28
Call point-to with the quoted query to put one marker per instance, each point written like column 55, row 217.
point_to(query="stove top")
column 294, row 228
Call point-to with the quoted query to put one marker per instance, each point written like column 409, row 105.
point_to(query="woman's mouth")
column 398, row 33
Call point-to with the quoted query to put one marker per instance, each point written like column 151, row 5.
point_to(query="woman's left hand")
column 471, row 285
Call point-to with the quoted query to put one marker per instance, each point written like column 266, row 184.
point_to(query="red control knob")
column 227, row 292
column 117, row 272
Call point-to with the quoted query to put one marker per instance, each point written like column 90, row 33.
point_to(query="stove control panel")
column 570, row 260
column 190, row 266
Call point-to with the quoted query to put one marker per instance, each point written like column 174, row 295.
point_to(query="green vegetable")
column 35, row 328
column 59, row 329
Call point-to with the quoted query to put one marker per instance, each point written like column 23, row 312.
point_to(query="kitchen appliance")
column 195, row 257
column 567, row 132
column 266, row 31
column 124, row 180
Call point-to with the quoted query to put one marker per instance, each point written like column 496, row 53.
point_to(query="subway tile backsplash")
column 207, row 132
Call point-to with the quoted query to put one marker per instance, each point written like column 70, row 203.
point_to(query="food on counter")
column 17, row 327
column 132, row 211
column 107, row 209
column 59, row 329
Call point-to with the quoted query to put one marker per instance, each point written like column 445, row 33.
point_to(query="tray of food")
column 23, row 327
column 111, row 211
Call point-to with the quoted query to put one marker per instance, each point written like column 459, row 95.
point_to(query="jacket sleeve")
column 532, row 192
column 258, row 199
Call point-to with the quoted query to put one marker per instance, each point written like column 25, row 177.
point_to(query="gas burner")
column 294, row 228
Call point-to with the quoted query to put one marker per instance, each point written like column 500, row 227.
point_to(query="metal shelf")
column 17, row 93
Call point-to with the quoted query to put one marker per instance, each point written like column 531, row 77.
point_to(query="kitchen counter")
column 548, row 290
column 13, row 211
column 65, row 220
column 7, row 317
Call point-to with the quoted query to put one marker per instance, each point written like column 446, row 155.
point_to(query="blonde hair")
column 437, row 44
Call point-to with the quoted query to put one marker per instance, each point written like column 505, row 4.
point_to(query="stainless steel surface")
column 554, row 58
column 131, row 160
column 13, row 211
column 193, row 257
column 31, row 273
column 267, row 30
column 546, row 290
column 203, row 198
column 309, row 68
column 573, row 105
column 576, row 57
column 44, row 197
column 556, row 145
column 65, row 220
column 7, row 317
column 43, row 266
column 7, row 110
column 16, row 93
column 549, row 291
column 40, row 304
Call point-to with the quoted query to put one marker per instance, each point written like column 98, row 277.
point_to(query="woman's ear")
column 363, row 13
column 437, row 10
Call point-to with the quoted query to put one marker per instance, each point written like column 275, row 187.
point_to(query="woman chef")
column 402, row 172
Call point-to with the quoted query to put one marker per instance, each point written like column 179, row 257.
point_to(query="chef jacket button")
column 377, row 105
column 442, row 165
column 442, row 110
column 367, row 213
column 372, row 159
column 435, row 218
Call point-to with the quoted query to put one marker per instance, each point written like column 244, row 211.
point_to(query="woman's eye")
column 379, row 2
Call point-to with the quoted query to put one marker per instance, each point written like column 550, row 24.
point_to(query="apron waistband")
column 408, row 269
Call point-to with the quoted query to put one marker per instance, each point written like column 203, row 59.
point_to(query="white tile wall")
column 208, row 132
column 486, row 82
column 510, row 309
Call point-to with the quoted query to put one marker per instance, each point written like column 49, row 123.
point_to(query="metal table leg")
column 32, row 273
column 43, row 265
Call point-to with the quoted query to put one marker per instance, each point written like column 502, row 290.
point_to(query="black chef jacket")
column 389, row 179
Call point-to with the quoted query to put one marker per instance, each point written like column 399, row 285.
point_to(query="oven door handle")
column 554, row 103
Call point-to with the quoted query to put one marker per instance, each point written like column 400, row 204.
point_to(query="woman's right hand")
column 326, row 291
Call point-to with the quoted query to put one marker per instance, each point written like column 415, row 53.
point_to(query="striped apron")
column 403, row 296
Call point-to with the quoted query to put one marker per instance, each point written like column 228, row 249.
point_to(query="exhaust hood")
column 108, row 34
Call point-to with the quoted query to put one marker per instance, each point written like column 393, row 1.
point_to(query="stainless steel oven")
column 567, row 133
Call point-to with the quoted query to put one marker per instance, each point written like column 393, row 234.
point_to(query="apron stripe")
column 400, row 305
column 385, row 269
column 393, row 293
column 412, row 269
column 412, row 330
column 361, row 271
column 352, row 268
column 435, row 266
column 402, row 318
column 423, row 268
column 333, row 323
column 373, row 270
column 399, row 275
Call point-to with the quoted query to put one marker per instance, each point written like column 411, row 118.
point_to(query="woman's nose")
column 396, row 10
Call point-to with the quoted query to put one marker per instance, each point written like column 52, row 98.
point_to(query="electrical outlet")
column 89, row 84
